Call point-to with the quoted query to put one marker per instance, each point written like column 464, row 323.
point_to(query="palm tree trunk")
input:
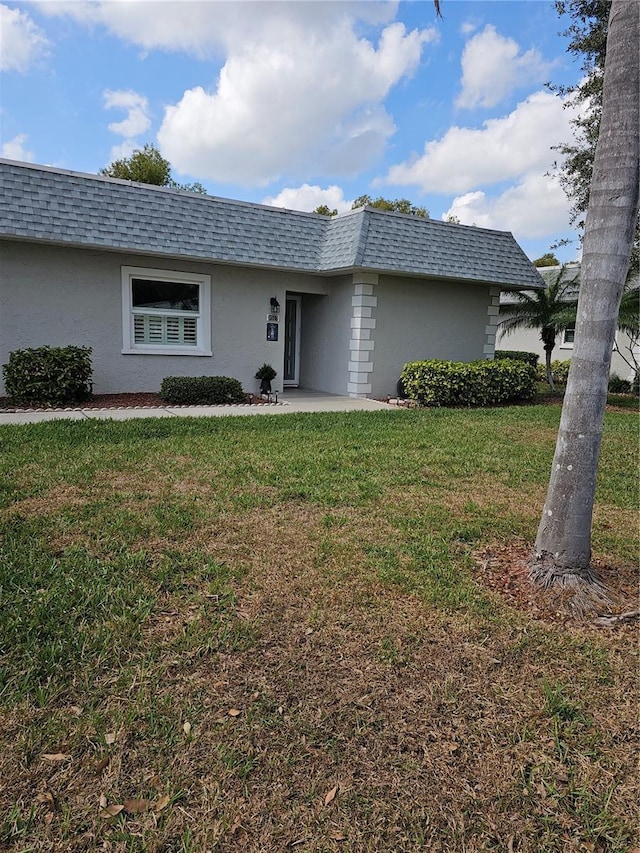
column 563, row 545
column 547, row 361
column 548, row 335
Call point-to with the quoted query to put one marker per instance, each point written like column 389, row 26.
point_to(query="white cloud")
column 307, row 197
column 15, row 149
column 468, row 27
column 503, row 149
column 23, row 43
column 202, row 27
column 296, row 102
column 535, row 207
column 297, row 88
column 493, row 67
column 137, row 108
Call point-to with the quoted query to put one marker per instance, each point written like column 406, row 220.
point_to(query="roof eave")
column 433, row 277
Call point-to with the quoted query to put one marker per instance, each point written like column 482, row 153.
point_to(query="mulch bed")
column 140, row 400
column 505, row 570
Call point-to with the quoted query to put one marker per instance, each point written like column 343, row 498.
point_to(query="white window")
column 165, row 312
column 568, row 337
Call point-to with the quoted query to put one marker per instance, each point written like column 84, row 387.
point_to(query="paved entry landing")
column 292, row 400
column 299, row 400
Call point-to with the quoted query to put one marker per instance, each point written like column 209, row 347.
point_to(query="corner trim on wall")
column 493, row 319
column 362, row 343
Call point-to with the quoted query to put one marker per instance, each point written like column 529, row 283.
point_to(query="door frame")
column 295, row 382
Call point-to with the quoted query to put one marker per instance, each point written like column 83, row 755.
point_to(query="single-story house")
column 624, row 349
column 165, row 282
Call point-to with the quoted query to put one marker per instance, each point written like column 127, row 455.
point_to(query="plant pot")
column 265, row 386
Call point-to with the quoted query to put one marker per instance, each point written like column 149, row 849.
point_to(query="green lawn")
column 273, row 633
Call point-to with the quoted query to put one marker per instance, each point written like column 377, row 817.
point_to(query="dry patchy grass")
column 435, row 729
column 320, row 678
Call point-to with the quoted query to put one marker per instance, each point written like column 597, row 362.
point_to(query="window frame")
column 202, row 316
column 564, row 343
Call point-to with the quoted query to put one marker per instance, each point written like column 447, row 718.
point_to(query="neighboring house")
column 164, row 282
column 529, row 339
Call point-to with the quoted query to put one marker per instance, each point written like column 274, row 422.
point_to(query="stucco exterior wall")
column 59, row 296
column 357, row 331
column 324, row 345
column 528, row 340
column 418, row 319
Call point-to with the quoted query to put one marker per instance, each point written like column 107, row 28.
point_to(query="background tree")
column 325, row 210
column 547, row 260
column 588, row 43
column 550, row 310
column 588, row 39
column 147, row 166
column 562, row 550
column 398, row 205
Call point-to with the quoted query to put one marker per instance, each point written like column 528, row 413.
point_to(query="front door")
column 292, row 341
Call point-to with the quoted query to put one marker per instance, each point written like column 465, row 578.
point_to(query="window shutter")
column 173, row 330
column 154, row 330
column 165, row 330
column 190, row 331
column 138, row 329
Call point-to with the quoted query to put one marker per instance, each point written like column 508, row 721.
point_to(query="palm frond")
column 552, row 307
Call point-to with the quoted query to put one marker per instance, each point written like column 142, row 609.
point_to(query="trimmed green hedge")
column 474, row 383
column 48, row 376
column 559, row 369
column 201, row 390
column 517, row 355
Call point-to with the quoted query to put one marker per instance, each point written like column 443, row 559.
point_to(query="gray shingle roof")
column 41, row 203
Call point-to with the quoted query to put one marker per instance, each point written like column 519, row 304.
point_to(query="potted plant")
column 265, row 374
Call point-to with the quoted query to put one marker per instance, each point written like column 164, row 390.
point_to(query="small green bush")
column 201, row 390
column 517, row 355
column 48, row 376
column 618, row 385
column 474, row 383
column 559, row 369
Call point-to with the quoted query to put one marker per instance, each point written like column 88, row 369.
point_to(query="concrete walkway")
column 288, row 403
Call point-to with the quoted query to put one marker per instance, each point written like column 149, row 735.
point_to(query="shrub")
column 517, row 355
column 618, row 385
column 559, row 369
column 201, row 390
column 475, row 383
column 49, row 376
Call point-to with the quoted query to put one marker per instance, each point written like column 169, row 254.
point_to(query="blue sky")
column 303, row 103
